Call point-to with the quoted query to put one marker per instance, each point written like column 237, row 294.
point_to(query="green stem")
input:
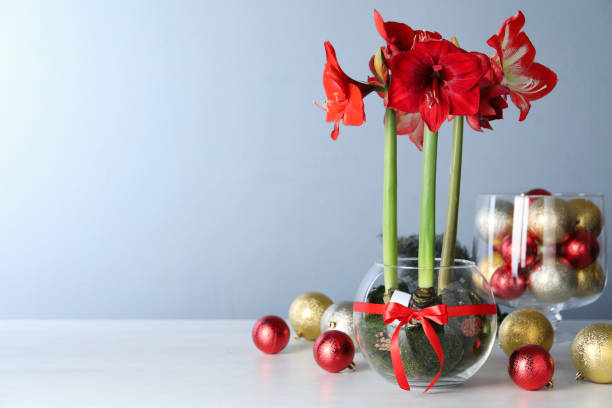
column 427, row 229
column 452, row 210
column 389, row 224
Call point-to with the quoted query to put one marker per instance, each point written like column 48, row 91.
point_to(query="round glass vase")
column 466, row 341
column 543, row 252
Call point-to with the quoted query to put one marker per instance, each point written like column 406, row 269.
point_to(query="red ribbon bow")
column 439, row 314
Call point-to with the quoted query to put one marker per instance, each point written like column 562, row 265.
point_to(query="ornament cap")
column 579, row 376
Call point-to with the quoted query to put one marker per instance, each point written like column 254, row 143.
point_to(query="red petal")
column 417, row 135
column 354, row 114
column 336, row 131
column 406, row 90
column 544, row 81
column 463, row 103
column 462, row 71
column 474, row 122
column 435, row 114
column 398, row 36
column 522, row 103
column 407, row 122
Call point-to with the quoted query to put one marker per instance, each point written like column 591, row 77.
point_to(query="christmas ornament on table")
column 408, row 73
column 531, row 367
column 334, row 351
column 305, row 314
column 270, row 334
column 525, row 326
column 592, row 353
column 339, row 316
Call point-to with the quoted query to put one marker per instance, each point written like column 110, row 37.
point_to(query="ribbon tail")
column 435, row 343
column 396, row 360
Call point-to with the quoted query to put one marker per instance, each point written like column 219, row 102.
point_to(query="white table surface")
column 213, row 363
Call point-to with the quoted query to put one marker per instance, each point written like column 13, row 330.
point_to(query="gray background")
column 165, row 159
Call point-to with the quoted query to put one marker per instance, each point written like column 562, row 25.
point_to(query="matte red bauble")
column 531, row 367
column 527, row 251
column 506, row 285
column 581, row 249
column 270, row 334
column 334, row 351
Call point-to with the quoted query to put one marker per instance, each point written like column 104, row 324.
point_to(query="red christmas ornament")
column 537, row 192
column 528, row 250
column 531, row 367
column 581, row 249
column 334, row 351
column 270, row 334
column 506, row 285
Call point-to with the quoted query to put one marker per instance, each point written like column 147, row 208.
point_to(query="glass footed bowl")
column 466, row 341
column 543, row 252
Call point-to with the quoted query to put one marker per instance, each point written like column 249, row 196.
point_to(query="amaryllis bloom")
column 492, row 96
column 514, row 58
column 344, row 94
column 491, row 107
column 399, row 36
column 436, row 79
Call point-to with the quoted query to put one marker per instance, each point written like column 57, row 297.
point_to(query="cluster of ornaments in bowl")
column 541, row 248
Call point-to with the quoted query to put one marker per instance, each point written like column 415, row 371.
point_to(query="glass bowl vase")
column 543, row 252
column 466, row 341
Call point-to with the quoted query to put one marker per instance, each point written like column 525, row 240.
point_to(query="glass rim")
column 463, row 263
column 552, row 195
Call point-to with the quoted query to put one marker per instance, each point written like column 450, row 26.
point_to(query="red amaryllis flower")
column 514, row 54
column 344, row 94
column 399, row 36
column 491, row 107
column 492, row 96
column 435, row 78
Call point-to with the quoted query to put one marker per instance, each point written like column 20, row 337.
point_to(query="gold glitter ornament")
column 590, row 280
column 550, row 219
column 487, row 266
column 493, row 224
column 525, row 326
column 552, row 281
column 305, row 314
column 592, row 353
column 588, row 215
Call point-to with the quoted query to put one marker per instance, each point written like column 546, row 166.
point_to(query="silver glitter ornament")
column 553, row 281
column 339, row 316
column 493, row 223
